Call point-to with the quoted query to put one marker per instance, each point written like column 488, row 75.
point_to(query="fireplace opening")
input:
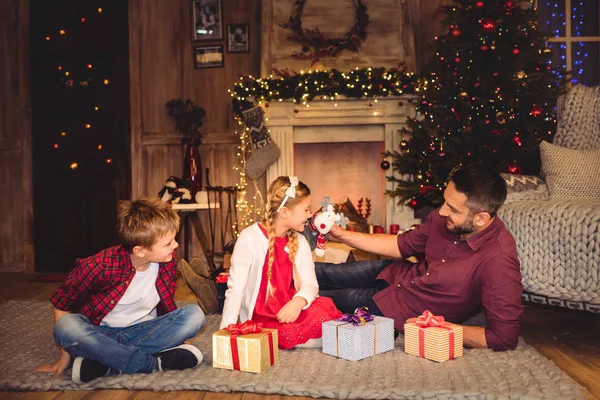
column 343, row 170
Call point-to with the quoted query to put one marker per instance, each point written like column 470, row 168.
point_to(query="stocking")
column 264, row 151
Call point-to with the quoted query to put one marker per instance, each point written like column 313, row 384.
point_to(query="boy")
column 115, row 311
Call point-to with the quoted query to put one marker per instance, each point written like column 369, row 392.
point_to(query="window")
column 574, row 37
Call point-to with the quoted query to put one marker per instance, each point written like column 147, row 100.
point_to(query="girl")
column 272, row 278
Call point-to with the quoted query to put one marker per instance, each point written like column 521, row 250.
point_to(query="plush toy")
column 176, row 190
column 322, row 224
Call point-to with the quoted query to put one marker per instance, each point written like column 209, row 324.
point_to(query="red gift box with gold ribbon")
column 245, row 347
column 432, row 338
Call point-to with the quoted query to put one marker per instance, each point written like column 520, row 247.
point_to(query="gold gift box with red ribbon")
column 245, row 347
column 432, row 338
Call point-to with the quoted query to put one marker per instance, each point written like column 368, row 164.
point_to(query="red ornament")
column 400, row 103
column 484, row 48
column 457, row 60
column 413, row 203
column 536, row 111
column 488, row 24
column 267, row 105
column 516, row 51
column 296, row 110
column 479, row 4
column 455, row 32
column 517, row 141
column 514, row 168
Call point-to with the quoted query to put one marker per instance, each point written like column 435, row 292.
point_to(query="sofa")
column 555, row 217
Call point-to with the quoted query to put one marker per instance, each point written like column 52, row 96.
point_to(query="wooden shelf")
column 195, row 206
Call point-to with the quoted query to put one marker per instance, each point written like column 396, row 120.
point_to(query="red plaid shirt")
column 98, row 282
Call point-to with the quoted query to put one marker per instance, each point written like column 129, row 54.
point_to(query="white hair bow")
column 290, row 191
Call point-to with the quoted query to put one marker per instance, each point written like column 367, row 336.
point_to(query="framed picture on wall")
column 208, row 56
column 207, row 20
column 238, row 38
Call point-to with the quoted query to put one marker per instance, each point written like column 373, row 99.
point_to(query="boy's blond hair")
column 275, row 196
column 142, row 222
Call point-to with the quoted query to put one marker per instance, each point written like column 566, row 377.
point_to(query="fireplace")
column 335, row 148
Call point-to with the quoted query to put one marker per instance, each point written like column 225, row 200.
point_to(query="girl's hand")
column 59, row 366
column 291, row 310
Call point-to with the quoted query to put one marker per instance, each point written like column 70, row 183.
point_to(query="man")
column 468, row 261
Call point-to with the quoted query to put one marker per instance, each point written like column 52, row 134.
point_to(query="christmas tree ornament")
column 385, row 165
column 521, row 75
column 488, row 24
column 264, row 151
column 500, row 118
column 514, row 168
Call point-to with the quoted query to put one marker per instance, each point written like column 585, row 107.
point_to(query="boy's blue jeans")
column 130, row 349
column 351, row 285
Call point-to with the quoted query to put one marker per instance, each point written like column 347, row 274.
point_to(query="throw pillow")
column 571, row 173
column 578, row 114
column 522, row 183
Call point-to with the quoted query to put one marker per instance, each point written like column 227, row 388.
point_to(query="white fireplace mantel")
column 357, row 120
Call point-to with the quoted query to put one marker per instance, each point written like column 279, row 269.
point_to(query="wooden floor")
column 570, row 339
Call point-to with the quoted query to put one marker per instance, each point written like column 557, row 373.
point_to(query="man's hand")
column 59, row 366
column 291, row 310
column 335, row 233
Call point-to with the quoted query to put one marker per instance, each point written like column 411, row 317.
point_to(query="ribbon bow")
column 244, row 328
column 428, row 319
column 290, row 192
column 360, row 317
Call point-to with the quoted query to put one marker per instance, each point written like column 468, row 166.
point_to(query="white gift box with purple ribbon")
column 357, row 336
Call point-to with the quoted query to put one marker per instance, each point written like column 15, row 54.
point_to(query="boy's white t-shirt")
column 139, row 301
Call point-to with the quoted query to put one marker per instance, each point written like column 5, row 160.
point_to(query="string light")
column 77, row 74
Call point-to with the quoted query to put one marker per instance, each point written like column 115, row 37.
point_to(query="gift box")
column 432, row 338
column 245, row 347
column 221, row 286
column 354, row 339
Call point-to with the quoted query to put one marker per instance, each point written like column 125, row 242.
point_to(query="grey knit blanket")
column 25, row 329
column 558, row 245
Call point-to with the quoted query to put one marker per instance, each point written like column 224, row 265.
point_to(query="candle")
column 394, row 229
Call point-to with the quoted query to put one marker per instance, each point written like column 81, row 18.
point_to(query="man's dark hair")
column 484, row 187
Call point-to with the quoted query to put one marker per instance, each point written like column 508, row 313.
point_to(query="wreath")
column 314, row 44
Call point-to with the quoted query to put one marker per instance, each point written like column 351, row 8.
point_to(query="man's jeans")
column 130, row 349
column 351, row 285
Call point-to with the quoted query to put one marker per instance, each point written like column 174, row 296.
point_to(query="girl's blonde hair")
column 275, row 198
column 142, row 222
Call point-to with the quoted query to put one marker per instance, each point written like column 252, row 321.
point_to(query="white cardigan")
column 245, row 274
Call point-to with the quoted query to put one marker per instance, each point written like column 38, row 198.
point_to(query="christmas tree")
column 491, row 97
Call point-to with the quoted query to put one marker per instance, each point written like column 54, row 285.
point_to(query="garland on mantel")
column 328, row 85
column 301, row 88
column 315, row 45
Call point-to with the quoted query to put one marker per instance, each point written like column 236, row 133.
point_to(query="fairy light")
column 77, row 75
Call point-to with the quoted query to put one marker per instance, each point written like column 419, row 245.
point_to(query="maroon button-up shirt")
column 456, row 278
column 97, row 283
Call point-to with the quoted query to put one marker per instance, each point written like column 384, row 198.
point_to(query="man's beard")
column 463, row 229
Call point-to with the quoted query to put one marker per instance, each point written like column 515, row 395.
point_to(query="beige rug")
column 26, row 341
